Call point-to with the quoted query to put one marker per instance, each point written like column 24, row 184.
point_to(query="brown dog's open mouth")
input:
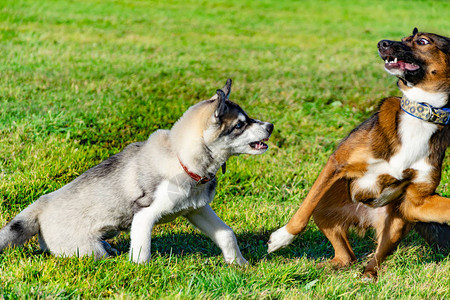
column 391, row 63
column 259, row 145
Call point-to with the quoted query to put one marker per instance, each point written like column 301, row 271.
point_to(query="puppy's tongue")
column 258, row 145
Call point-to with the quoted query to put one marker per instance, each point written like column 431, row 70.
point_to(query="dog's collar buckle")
column 432, row 116
column 199, row 179
column 203, row 180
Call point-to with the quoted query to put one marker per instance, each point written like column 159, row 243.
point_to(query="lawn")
column 80, row 80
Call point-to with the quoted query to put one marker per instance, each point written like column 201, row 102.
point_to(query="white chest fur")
column 414, row 136
column 173, row 198
column 419, row 95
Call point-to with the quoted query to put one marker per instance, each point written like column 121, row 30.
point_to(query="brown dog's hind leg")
column 333, row 215
column 390, row 231
column 343, row 253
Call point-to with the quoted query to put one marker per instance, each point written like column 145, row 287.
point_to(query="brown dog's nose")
column 384, row 44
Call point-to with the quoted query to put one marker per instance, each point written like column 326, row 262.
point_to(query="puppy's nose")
column 269, row 128
column 384, row 44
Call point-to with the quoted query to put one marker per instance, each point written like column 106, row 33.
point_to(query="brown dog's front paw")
column 336, row 263
column 385, row 180
column 279, row 239
column 369, row 274
column 409, row 174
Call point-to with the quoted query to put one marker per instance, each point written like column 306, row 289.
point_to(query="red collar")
column 199, row 179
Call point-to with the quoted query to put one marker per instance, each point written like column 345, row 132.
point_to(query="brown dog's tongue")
column 404, row 65
column 411, row 67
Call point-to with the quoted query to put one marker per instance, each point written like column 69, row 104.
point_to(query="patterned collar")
column 426, row 112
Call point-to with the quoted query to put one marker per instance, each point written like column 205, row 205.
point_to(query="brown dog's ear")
column 415, row 31
column 221, row 105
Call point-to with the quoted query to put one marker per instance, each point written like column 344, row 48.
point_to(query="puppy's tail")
column 436, row 234
column 22, row 228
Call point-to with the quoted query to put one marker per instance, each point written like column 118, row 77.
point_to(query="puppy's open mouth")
column 259, row 145
column 392, row 63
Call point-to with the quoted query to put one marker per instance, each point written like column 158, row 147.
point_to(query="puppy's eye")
column 423, row 41
column 239, row 125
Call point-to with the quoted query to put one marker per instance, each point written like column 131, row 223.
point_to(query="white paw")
column 241, row 261
column 279, row 239
column 138, row 257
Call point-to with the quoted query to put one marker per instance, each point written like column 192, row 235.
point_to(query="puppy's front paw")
column 139, row 257
column 279, row 239
column 139, row 260
column 241, row 261
column 236, row 258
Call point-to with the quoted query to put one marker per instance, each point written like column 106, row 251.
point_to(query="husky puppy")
column 171, row 174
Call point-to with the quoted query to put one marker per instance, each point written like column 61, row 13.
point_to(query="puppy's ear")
column 227, row 88
column 221, row 105
column 415, row 31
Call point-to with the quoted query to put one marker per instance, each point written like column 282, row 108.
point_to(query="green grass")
column 79, row 80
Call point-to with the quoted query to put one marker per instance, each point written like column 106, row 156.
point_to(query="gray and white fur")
column 145, row 185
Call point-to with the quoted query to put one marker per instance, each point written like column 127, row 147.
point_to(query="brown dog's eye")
column 423, row 41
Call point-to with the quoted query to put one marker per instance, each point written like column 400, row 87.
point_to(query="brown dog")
column 385, row 173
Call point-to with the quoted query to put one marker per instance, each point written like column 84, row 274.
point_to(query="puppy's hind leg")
column 210, row 224
column 86, row 247
column 109, row 249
